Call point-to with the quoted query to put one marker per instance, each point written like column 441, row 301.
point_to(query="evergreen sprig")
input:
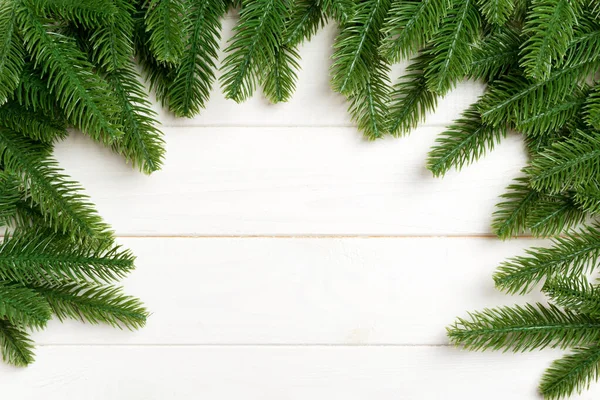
column 64, row 63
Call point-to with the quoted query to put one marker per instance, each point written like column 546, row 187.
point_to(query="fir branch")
column 554, row 214
column 569, row 164
column 94, row 304
column 588, row 198
column 64, row 206
column 496, row 54
column 546, row 117
column 549, row 28
column 464, row 142
column 536, row 144
column 12, row 53
column 496, row 12
column 574, row 293
column 523, row 328
column 411, row 100
column 35, row 125
column 34, row 95
column 70, row 76
column 585, row 44
column 451, row 47
column 194, row 77
column 22, row 306
column 111, row 43
column 165, row 21
column 510, row 217
column 368, row 104
column 36, row 256
column 356, row 47
column 91, row 14
column 573, row 255
column 592, row 108
column 15, row 345
column 410, row 25
column 156, row 73
column 340, row 10
column 306, row 17
column 280, row 80
column 10, row 196
column 514, row 96
column 143, row 143
column 257, row 37
column 572, row 373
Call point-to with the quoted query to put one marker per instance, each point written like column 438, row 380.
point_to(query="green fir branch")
column 357, row 47
column 192, row 81
column 10, row 195
column 37, row 256
column 254, row 45
column 514, row 97
column 35, row 125
column 547, row 117
column 411, row 100
column 570, row 164
column 496, row 12
column 573, row 373
column 575, row 254
column 94, row 304
column 588, row 198
column 165, row 22
column 549, row 29
column 574, row 293
column 340, row 10
column 12, row 53
column 70, row 76
column 523, row 328
column 111, row 43
column 553, row 215
column 511, row 215
column 306, row 17
column 496, row 54
column 143, row 143
column 91, row 14
column 63, row 204
column 451, row 47
column 592, row 108
column 22, row 306
column 368, row 104
column 15, row 345
column 410, row 25
column 280, row 80
column 464, row 142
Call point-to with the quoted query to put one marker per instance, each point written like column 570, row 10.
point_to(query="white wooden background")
column 285, row 257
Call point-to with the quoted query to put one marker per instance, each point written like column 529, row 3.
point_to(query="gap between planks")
column 241, row 126
column 250, row 345
column 322, row 236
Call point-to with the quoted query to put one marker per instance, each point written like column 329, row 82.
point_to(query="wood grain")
column 275, row 373
column 292, row 181
column 304, row 291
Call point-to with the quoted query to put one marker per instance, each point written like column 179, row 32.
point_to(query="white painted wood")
column 275, row 373
column 292, row 181
column 304, row 291
column 314, row 103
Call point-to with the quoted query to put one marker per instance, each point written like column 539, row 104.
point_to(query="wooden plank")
column 314, row 103
column 292, row 181
column 274, row 373
column 304, row 291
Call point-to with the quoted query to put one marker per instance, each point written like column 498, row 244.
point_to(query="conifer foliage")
column 64, row 64
column 71, row 64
